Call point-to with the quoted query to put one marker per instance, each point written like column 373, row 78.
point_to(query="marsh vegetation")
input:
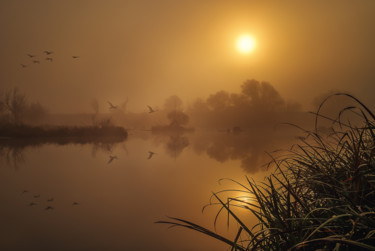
column 320, row 195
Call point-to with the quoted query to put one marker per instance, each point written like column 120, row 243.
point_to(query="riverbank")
column 79, row 134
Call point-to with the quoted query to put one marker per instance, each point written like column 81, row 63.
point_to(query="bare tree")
column 15, row 104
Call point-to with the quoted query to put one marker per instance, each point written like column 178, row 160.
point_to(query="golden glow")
column 246, row 44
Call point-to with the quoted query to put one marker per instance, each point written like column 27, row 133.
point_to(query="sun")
column 245, row 43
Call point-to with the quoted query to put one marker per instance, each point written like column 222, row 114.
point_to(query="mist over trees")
column 257, row 105
column 16, row 109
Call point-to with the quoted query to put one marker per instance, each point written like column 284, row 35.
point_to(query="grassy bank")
column 321, row 195
column 62, row 134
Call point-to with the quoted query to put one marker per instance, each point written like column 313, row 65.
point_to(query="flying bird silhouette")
column 25, row 191
column 36, row 61
column 36, row 196
column 75, row 57
column 30, row 56
column 49, row 208
column 150, row 154
column 32, row 204
column 48, row 52
column 111, row 106
column 75, row 203
column 151, row 110
column 111, row 158
column 50, row 200
column 23, row 65
column 49, row 59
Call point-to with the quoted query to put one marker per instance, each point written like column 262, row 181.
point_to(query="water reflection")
column 249, row 147
column 106, row 195
column 12, row 150
column 246, row 146
column 176, row 144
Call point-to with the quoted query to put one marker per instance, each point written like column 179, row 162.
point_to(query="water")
column 119, row 200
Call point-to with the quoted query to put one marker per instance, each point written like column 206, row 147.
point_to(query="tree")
column 262, row 95
column 15, row 104
column 178, row 118
column 219, row 101
column 173, row 103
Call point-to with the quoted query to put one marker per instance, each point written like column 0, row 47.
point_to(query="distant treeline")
column 257, row 105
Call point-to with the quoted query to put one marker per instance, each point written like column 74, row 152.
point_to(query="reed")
column 320, row 196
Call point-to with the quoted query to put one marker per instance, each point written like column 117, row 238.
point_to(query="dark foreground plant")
column 321, row 195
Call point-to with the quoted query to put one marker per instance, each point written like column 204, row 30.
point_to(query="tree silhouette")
column 262, row 95
column 15, row 103
column 219, row 101
column 173, row 103
column 178, row 118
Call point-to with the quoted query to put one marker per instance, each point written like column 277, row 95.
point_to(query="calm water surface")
column 85, row 201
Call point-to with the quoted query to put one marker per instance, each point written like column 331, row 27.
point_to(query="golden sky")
column 147, row 50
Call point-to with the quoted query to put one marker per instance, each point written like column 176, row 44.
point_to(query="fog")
column 145, row 51
column 115, row 113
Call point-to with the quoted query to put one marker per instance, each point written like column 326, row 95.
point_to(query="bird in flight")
column 31, row 56
column 24, row 191
column 111, row 158
column 32, row 204
column 151, row 110
column 36, row 196
column 75, row 203
column 49, row 59
column 150, row 154
column 75, row 57
column 48, row 52
column 111, row 106
column 49, row 208
column 23, row 65
column 50, row 200
column 36, row 61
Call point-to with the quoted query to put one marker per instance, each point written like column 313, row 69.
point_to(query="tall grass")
column 321, row 194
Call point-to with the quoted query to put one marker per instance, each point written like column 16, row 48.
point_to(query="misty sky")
column 147, row 50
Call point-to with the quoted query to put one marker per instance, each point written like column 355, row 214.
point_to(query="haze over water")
column 192, row 101
column 118, row 202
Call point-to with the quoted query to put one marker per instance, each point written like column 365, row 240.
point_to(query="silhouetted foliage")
column 15, row 104
column 15, row 109
column 321, row 195
column 178, row 118
column 173, row 103
column 262, row 96
column 257, row 105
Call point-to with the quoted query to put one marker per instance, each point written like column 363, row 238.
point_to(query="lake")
column 108, row 196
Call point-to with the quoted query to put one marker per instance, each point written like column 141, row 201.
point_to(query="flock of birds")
column 114, row 157
column 48, row 57
column 48, row 201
